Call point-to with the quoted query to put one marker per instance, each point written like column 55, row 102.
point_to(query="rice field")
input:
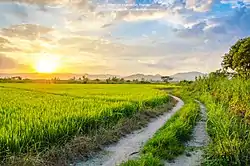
column 35, row 116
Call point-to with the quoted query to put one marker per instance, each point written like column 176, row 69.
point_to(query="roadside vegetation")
column 228, row 105
column 144, row 160
column 226, row 94
column 36, row 117
column 168, row 142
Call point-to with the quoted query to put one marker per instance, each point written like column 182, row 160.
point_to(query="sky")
column 118, row 36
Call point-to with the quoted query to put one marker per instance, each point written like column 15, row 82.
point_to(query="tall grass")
column 33, row 117
column 228, row 104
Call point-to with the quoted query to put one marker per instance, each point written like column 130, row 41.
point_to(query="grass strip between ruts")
column 168, row 142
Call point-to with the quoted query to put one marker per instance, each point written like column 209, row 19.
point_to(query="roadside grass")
column 228, row 125
column 168, row 142
column 230, row 135
column 145, row 160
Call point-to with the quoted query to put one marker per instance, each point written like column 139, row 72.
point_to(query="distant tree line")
column 166, row 79
column 84, row 80
column 74, row 80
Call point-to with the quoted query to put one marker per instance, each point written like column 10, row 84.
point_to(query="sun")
column 46, row 64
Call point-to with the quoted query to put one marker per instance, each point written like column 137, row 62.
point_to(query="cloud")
column 3, row 41
column 25, row 31
column 10, row 63
column 49, row 2
column 6, row 46
column 187, row 35
column 186, row 62
column 6, row 62
column 195, row 31
column 199, row 5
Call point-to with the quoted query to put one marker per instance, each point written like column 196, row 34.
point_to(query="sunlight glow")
column 47, row 64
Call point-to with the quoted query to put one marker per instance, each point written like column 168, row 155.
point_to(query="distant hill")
column 65, row 76
column 139, row 77
column 190, row 76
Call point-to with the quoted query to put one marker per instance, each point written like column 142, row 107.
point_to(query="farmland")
column 35, row 116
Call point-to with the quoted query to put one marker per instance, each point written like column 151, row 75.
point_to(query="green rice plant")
column 37, row 116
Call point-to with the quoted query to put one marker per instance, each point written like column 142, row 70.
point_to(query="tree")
column 166, row 78
column 135, row 80
column 122, row 80
column 219, row 73
column 55, row 80
column 73, row 78
column 85, row 79
column 238, row 58
column 185, row 82
column 16, row 78
column 115, row 79
column 108, row 80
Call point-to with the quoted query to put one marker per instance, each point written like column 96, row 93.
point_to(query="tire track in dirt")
column 129, row 146
column 193, row 155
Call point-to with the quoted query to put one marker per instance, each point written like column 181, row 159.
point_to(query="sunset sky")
column 77, row 36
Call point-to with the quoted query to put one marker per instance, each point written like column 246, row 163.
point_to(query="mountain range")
column 190, row 76
column 64, row 76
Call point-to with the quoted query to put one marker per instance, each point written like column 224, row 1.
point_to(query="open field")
column 34, row 116
column 37, row 116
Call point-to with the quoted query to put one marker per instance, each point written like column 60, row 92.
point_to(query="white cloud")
column 184, row 37
column 199, row 5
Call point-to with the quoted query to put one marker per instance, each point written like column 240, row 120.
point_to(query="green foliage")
column 166, row 78
column 228, row 122
column 238, row 58
column 35, row 116
column 185, row 82
column 168, row 141
column 144, row 160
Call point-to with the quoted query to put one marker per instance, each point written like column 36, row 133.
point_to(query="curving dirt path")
column 193, row 154
column 129, row 146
